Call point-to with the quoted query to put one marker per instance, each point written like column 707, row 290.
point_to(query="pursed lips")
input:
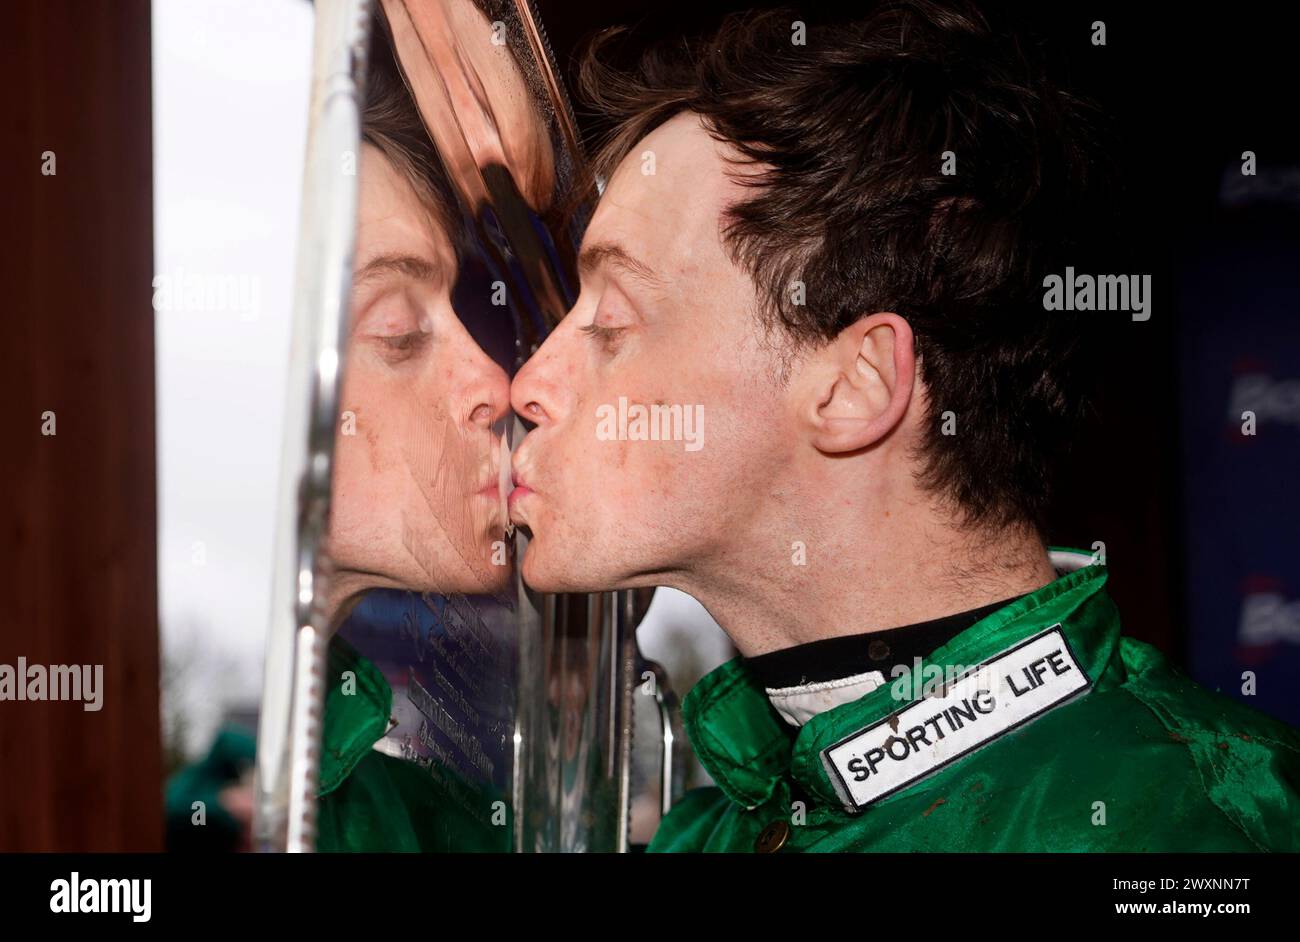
column 521, row 487
column 519, row 491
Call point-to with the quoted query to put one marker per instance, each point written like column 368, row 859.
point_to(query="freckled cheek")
column 432, row 407
column 649, row 471
column 358, row 492
column 357, row 442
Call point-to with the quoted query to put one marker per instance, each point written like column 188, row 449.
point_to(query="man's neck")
column 833, row 580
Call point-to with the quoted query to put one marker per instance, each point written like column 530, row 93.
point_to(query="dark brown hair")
column 852, row 127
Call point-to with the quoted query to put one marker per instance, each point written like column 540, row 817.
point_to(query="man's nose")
column 487, row 391
column 539, row 394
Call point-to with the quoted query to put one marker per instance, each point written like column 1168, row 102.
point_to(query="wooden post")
column 78, row 522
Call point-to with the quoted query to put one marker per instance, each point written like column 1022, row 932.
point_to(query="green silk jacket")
column 1054, row 733
column 372, row 801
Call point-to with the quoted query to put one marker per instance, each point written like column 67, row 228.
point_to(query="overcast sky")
column 230, row 91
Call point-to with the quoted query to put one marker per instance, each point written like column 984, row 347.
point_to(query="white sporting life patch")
column 980, row 705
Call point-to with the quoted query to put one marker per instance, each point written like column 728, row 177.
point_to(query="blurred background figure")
column 209, row 803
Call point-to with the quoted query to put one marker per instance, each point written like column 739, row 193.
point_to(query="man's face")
column 416, row 502
column 666, row 319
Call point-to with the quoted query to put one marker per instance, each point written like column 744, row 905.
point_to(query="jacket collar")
column 357, row 706
column 748, row 749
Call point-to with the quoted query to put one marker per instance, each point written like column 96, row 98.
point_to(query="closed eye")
column 404, row 341
column 607, row 336
column 401, row 348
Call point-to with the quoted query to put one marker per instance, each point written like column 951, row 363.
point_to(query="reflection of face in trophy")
column 479, row 696
column 416, row 494
column 474, row 98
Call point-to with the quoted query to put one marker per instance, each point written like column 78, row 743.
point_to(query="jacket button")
column 772, row 838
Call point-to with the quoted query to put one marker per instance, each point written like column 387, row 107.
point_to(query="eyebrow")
column 614, row 255
column 413, row 267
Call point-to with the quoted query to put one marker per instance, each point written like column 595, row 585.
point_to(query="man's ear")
column 863, row 384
